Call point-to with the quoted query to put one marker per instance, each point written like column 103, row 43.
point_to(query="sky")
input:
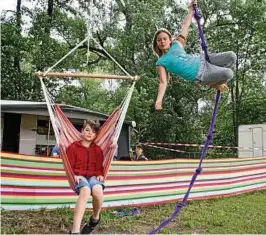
column 8, row 4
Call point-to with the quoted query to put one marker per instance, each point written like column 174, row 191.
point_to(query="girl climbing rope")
column 173, row 59
column 193, row 7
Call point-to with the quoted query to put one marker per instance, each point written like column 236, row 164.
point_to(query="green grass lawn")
column 241, row 214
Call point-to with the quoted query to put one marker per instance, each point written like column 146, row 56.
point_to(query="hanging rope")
column 65, row 56
column 208, row 140
column 159, row 147
column 195, row 145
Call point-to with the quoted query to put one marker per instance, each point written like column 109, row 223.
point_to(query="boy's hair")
column 155, row 48
column 93, row 125
column 139, row 146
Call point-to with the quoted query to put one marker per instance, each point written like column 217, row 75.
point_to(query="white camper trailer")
column 252, row 140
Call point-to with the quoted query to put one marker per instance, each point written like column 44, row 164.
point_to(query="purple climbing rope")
column 208, row 140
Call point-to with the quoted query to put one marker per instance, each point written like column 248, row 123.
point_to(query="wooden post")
column 84, row 75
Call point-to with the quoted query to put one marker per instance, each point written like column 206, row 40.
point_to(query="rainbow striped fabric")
column 30, row 182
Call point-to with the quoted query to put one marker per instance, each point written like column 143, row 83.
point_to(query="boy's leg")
column 97, row 201
column 223, row 59
column 81, row 203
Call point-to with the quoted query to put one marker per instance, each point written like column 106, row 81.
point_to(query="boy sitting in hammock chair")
column 86, row 160
column 173, row 59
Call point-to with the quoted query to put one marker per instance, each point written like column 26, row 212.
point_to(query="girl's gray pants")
column 218, row 71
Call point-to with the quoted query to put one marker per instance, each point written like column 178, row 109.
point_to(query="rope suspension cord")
column 65, row 56
column 119, row 65
column 51, row 110
column 159, row 147
column 208, row 140
column 180, row 151
column 192, row 145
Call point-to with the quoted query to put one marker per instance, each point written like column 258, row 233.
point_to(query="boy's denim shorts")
column 89, row 182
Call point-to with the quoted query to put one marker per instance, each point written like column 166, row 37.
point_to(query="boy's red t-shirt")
column 84, row 161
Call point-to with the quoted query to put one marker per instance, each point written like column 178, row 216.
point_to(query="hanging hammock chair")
column 66, row 133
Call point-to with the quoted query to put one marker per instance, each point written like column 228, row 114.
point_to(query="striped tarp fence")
column 30, row 182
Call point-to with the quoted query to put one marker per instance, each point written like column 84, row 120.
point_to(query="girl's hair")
column 155, row 48
column 93, row 125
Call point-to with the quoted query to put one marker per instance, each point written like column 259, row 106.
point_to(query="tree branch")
column 228, row 23
column 100, row 39
column 244, row 70
column 94, row 61
column 5, row 11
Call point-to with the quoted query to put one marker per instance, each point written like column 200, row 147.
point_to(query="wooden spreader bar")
column 84, row 75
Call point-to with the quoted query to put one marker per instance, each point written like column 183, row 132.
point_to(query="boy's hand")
column 158, row 105
column 99, row 177
column 78, row 178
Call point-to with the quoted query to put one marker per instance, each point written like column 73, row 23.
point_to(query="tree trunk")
column 18, row 31
column 50, row 15
column 17, row 68
column 234, row 97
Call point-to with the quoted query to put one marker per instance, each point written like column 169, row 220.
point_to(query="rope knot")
column 204, row 46
column 180, row 205
column 197, row 16
column 209, row 137
column 199, row 170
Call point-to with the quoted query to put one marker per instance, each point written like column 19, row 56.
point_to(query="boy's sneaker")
column 89, row 227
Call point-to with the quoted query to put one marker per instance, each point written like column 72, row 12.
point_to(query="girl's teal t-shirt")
column 178, row 62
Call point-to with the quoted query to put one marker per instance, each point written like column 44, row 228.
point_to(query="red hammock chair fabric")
column 69, row 134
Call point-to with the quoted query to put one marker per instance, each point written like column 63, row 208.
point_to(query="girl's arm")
column 185, row 27
column 162, row 87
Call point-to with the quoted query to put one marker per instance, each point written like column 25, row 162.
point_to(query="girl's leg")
column 223, row 59
column 97, row 200
column 213, row 75
column 81, row 203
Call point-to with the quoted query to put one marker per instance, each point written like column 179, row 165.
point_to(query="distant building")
column 252, row 140
column 26, row 129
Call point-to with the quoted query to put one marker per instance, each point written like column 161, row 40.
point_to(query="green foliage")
column 88, row 94
column 237, row 26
